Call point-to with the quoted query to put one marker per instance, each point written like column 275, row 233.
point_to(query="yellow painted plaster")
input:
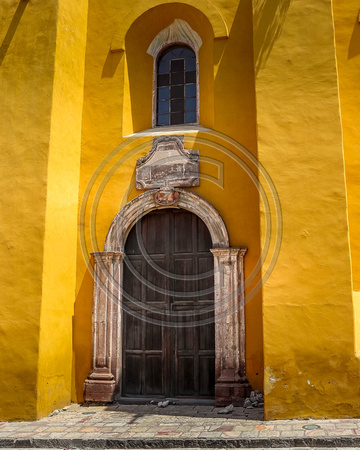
column 132, row 12
column 42, row 70
column 58, row 283
column 27, row 40
column 310, row 365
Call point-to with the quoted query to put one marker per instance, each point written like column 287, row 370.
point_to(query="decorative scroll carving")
column 168, row 164
column 178, row 31
column 166, row 197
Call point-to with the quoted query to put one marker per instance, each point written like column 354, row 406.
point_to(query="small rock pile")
column 256, row 400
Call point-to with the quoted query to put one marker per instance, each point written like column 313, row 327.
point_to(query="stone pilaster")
column 102, row 382
column 231, row 385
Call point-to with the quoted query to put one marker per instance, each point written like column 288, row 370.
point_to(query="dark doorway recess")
column 168, row 309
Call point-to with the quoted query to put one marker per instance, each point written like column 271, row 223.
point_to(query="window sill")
column 169, row 130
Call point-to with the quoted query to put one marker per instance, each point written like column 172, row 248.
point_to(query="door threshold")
column 173, row 401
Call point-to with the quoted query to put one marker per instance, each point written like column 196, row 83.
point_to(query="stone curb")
column 329, row 442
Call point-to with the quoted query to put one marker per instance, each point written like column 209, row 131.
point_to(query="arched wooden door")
column 168, row 307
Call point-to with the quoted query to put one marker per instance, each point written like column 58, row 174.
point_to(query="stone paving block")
column 230, row 434
column 245, row 428
column 249, row 434
column 201, row 428
column 20, row 435
column 210, row 434
column 269, row 433
column 314, row 433
column 345, row 425
column 126, row 435
column 161, row 429
column 222, row 428
column 184, row 428
column 293, row 433
column 190, row 434
column 264, row 427
column 144, row 435
column 339, row 432
column 168, row 433
column 283, row 427
column 205, row 408
column 91, row 435
column 115, row 424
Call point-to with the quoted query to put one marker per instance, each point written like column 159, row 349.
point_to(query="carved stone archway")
column 104, row 381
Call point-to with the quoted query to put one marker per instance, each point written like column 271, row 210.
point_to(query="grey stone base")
column 182, row 443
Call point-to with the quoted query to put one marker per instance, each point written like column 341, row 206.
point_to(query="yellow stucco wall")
column 40, row 136
column 58, row 283
column 310, row 365
column 27, row 37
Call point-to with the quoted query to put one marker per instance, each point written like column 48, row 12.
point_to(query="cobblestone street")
column 140, row 426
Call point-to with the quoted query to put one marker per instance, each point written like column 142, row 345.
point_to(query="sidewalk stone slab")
column 177, row 426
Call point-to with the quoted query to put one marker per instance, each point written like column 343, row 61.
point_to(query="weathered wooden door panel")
column 168, row 283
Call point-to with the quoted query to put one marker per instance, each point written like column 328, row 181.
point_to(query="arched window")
column 176, row 101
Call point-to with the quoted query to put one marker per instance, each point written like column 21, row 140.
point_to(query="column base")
column 231, row 388
column 99, row 391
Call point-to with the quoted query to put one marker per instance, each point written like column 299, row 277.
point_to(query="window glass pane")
column 163, row 67
column 163, row 107
column 177, row 65
column 190, row 77
column 175, row 52
column 190, row 117
column 163, row 119
column 190, row 104
column 164, row 80
column 187, row 53
column 177, row 91
column 177, row 118
column 177, row 78
column 190, row 64
column 167, row 55
column 176, row 86
column 177, row 105
column 190, row 90
column 163, row 93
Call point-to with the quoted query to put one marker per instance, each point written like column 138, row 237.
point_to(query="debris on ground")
column 256, row 400
column 163, row 404
column 227, row 410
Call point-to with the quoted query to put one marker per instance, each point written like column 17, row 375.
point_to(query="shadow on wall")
column 82, row 335
column 268, row 20
column 111, row 63
column 235, row 115
column 12, row 29
column 354, row 46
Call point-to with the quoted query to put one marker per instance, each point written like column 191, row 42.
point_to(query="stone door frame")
column 104, row 380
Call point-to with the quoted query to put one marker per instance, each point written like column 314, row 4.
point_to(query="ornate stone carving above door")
column 168, row 164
